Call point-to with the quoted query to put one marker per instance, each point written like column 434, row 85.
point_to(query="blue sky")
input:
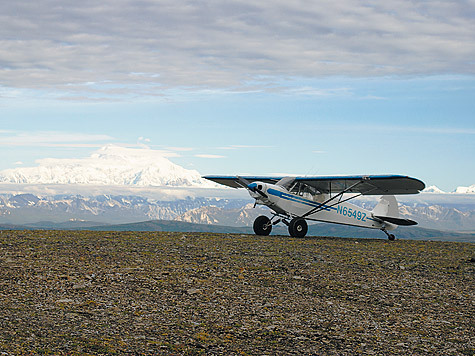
column 303, row 88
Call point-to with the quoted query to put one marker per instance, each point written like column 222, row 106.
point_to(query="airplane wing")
column 368, row 185
column 233, row 181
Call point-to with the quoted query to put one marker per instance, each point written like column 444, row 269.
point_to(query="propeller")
column 251, row 186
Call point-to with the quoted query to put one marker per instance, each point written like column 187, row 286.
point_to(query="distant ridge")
column 323, row 229
column 172, row 226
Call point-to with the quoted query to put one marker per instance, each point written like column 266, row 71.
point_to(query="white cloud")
column 143, row 142
column 235, row 147
column 86, row 49
column 180, row 149
column 53, row 139
column 209, row 156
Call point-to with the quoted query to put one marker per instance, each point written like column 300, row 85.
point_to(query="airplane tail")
column 388, row 210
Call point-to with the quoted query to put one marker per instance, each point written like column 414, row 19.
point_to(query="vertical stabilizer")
column 387, row 206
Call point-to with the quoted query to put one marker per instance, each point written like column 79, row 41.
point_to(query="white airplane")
column 294, row 200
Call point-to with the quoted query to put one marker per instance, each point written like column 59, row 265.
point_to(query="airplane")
column 294, row 200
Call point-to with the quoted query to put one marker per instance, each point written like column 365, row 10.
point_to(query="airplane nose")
column 257, row 188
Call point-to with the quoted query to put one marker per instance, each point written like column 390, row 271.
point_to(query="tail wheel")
column 298, row 227
column 262, row 226
column 391, row 237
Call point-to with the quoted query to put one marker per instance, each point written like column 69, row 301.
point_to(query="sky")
column 239, row 87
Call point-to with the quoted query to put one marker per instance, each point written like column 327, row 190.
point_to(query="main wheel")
column 391, row 237
column 298, row 227
column 262, row 226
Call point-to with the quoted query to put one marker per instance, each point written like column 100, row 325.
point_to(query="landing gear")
column 391, row 237
column 262, row 225
column 298, row 227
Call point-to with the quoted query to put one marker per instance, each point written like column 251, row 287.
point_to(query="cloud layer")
column 148, row 47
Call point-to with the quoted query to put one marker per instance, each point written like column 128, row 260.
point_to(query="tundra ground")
column 147, row 293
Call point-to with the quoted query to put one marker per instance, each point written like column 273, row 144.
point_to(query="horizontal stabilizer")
column 397, row 221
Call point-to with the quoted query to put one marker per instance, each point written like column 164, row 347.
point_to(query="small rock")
column 80, row 286
column 66, row 300
column 192, row 291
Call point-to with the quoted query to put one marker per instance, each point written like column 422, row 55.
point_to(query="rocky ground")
column 70, row 292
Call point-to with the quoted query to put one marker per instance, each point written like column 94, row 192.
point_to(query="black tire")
column 391, row 237
column 262, row 226
column 298, row 227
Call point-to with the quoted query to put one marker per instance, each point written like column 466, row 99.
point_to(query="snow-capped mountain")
column 466, row 190
column 433, row 189
column 29, row 208
column 110, row 165
column 118, row 166
column 459, row 190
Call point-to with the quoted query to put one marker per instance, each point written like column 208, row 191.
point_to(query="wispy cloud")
column 385, row 128
column 428, row 130
column 209, row 156
column 180, row 149
column 319, row 92
column 53, row 139
column 235, row 147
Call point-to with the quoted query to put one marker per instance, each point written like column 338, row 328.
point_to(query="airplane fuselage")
column 283, row 202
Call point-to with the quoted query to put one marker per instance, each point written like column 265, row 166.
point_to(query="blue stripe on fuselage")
column 297, row 199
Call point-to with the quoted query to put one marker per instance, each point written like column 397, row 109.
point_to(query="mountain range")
column 458, row 190
column 110, row 209
column 31, row 195
column 114, row 165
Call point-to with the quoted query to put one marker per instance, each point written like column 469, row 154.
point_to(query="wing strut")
column 339, row 195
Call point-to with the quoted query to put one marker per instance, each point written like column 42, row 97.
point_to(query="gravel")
column 149, row 293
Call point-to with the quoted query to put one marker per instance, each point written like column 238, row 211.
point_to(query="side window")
column 295, row 188
column 305, row 191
